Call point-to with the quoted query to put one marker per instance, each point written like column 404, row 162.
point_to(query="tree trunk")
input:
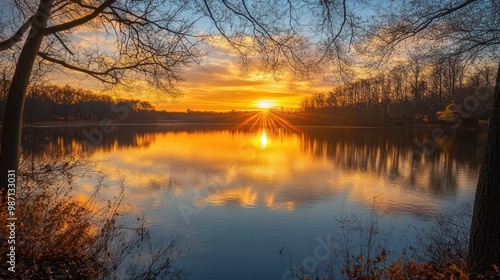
column 12, row 124
column 484, row 245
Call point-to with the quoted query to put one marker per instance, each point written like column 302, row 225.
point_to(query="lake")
column 236, row 195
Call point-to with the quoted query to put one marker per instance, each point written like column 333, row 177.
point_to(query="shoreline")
column 75, row 124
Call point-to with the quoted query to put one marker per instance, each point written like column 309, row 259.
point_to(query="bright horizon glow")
column 219, row 85
column 265, row 104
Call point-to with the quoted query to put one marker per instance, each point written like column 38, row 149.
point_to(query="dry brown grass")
column 61, row 237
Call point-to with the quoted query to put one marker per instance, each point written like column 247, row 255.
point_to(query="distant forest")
column 442, row 89
column 49, row 103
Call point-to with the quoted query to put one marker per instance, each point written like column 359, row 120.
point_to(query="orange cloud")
column 217, row 84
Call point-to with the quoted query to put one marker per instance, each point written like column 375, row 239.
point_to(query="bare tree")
column 470, row 28
column 149, row 40
column 152, row 40
column 295, row 34
column 464, row 27
column 415, row 68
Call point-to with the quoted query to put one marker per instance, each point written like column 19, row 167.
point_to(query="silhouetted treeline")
column 64, row 103
column 67, row 103
column 415, row 90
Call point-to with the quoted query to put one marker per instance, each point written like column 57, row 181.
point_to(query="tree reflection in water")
column 61, row 234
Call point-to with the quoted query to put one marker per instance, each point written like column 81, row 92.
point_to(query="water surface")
column 235, row 195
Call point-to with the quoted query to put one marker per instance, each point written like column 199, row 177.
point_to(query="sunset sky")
column 218, row 84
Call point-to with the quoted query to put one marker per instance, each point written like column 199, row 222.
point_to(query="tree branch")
column 14, row 39
column 337, row 35
column 110, row 72
column 63, row 44
column 223, row 33
column 80, row 21
column 424, row 24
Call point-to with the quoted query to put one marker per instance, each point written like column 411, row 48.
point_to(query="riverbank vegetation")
column 364, row 251
column 420, row 90
column 61, row 234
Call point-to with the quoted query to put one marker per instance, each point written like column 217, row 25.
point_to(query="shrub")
column 449, row 114
column 60, row 237
column 440, row 254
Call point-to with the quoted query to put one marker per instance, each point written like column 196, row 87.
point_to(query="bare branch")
column 17, row 37
column 79, row 21
column 107, row 72
column 339, row 32
column 63, row 63
column 415, row 28
column 62, row 43
column 223, row 33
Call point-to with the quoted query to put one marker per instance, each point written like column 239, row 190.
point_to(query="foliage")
column 59, row 235
column 447, row 239
column 361, row 252
column 449, row 114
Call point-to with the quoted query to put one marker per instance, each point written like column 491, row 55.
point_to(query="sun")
column 265, row 104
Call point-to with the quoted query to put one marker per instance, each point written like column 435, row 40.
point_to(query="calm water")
column 235, row 195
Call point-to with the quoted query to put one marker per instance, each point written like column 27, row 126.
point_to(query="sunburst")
column 265, row 104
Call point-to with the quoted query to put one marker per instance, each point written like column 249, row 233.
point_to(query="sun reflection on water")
column 263, row 139
column 272, row 166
